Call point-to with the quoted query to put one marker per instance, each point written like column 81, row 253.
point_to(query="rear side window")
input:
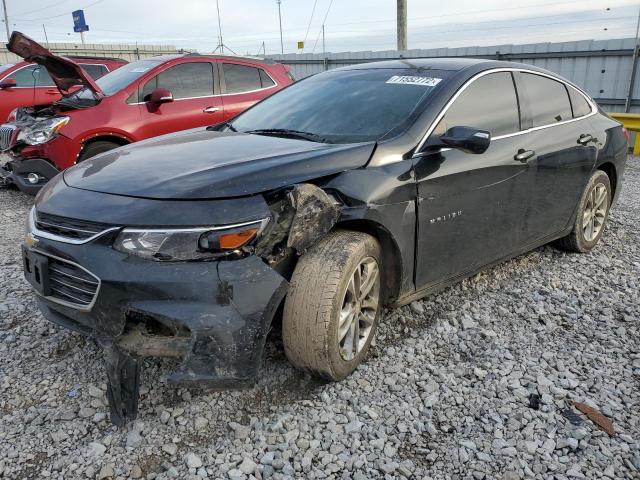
column 488, row 103
column 579, row 104
column 94, row 71
column 265, row 79
column 547, row 99
column 240, row 78
column 186, row 80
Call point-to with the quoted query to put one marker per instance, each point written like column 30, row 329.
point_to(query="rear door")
column 196, row 102
column 563, row 139
column 470, row 206
column 244, row 85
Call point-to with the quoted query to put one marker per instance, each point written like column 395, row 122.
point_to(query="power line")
column 42, row 8
column 472, row 12
column 57, row 16
column 313, row 10
column 324, row 20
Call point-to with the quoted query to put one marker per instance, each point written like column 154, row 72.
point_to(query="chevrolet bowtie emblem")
column 30, row 241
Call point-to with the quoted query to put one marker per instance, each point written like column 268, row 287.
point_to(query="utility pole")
column 634, row 65
column 221, row 44
column 280, row 20
column 402, row 24
column 46, row 39
column 6, row 19
column 323, row 45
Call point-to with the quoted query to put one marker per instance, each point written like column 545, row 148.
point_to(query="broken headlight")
column 42, row 130
column 184, row 244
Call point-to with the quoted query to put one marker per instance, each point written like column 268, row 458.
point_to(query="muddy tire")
column 94, row 148
column 591, row 216
column 333, row 305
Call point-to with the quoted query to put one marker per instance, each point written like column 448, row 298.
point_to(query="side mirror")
column 159, row 96
column 467, row 139
column 8, row 83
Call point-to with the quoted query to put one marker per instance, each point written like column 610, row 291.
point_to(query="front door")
column 471, row 206
column 196, row 100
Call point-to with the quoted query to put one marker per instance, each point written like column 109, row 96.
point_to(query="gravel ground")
column 446, row 393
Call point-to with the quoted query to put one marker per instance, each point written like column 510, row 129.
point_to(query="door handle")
column 52, row 92
column 584, row 139
column 211, row 110
column 524, row 155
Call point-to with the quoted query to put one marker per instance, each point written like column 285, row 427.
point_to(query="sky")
column 349, row 25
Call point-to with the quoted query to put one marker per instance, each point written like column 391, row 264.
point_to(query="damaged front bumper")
column 213, row 317
column 28, row 175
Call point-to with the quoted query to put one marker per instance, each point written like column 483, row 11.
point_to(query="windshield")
column 343, row 107
column 115, row 81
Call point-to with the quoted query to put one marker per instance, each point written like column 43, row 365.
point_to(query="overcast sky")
column 350, row 25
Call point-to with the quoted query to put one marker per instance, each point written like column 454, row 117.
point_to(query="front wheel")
column 592, row 215
column 94, row 148
column 333, row 305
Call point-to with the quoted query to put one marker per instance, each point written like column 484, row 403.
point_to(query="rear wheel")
column 333, row 305
column 94, row 148
column 592, row 215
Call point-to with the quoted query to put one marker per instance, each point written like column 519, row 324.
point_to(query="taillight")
column 626, row 134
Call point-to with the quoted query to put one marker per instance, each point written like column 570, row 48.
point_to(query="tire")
column 94, row 148
column 588, row 228
column 321, row 293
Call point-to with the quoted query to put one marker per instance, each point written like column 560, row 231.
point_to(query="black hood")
column 202, row 164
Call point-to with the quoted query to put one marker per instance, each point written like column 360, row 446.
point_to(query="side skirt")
column 438, row 286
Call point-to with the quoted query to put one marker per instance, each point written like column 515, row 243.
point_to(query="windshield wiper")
column 216, row 127
column 285, row 132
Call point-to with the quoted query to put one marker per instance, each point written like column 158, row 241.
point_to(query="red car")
column 140, row 100
column 24, row 84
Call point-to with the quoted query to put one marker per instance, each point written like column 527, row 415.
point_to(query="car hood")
column 65, row 73
column 203, row 164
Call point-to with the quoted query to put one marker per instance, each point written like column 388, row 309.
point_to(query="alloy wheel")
column 595, row 212
column 359, row 308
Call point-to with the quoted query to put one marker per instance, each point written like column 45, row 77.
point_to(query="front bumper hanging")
column 213, row 317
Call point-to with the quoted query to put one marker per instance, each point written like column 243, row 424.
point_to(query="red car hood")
column 65, row 73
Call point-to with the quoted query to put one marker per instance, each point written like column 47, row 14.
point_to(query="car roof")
column 439, row 63
column 166, row 58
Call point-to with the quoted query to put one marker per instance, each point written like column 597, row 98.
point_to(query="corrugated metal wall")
column 126, row 52
column 601, row 67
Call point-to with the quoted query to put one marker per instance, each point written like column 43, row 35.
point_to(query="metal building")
column 601, row 67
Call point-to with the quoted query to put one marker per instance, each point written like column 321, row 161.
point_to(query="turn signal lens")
column 231, row 241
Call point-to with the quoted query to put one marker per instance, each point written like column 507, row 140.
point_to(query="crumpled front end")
column 211, row 316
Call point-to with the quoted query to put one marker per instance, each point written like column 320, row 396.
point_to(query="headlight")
column 173, row 245
column 13, row 115
column 42, row 131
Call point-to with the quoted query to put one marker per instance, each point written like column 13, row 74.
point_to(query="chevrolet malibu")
column 358, row 188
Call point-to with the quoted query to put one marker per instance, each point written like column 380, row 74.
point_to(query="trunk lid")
column 65, row 73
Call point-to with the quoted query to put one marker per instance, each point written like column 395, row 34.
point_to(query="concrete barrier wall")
column 125, row 52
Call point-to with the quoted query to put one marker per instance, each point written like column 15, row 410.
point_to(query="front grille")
column 68, row 227
column 8, row 134
column 71, row 284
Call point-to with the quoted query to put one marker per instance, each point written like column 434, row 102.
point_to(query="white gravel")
column 444, row 395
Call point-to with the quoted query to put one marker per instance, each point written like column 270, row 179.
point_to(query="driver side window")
column 187, row 80
column 488, row 103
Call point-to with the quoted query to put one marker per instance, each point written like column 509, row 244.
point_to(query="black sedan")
column 357, row 188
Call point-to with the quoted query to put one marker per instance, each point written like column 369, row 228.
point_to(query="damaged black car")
column 358, row 188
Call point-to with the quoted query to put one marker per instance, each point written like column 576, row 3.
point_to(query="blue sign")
column 79, row 23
